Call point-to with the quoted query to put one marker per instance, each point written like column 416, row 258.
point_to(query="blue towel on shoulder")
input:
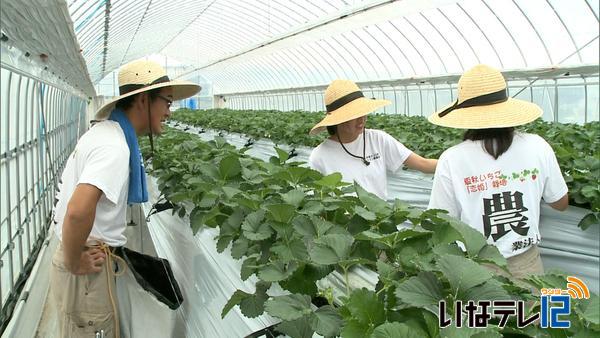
column 138, row 192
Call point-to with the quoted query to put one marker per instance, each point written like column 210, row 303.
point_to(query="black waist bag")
column 154, row 275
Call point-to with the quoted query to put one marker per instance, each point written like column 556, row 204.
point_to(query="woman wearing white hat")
column 359, row 154
column 495, row 179
column 101, row 177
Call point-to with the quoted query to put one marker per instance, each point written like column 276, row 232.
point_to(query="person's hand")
column 90, row 261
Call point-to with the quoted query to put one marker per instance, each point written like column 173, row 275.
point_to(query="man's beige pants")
column 82, row 303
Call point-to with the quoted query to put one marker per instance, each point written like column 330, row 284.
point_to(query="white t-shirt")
column 101, row 158
column 383, row 152
column 500, row 198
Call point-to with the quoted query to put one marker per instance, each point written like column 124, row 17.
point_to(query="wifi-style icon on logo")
column 577, row 288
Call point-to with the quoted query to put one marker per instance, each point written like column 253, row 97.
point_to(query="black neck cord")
column 364, row 157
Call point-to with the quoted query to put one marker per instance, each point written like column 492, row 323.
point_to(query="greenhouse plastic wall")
column 39, row 125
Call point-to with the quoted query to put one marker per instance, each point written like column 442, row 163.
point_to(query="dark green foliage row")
column 292, row 226
column 577, row 147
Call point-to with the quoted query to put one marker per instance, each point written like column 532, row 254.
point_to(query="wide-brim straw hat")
column 141, row 76
column 483, row 103
column 344, row 102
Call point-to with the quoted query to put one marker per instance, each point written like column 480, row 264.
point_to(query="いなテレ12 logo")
column 557, row 302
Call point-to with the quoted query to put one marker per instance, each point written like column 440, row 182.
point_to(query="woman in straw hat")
column 495, row 179
column 101, row 177
column 359, row 154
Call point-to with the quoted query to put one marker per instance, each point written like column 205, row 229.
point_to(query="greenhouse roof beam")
column 562, row 22
column 321, row 7
column 340, row 57
column 271, row 59
column 374, row 53
column 243, row 72
column 429, row 44
column 308, row 28
column 279, row 22
column 106, row 29
column 445, row 40
column 383, row 47
column 190, row 23
column 290, row 10
column 316, row 68
column 137, row 29
column 415, row 48
column 356, row 62
column 483, row 33
column 94, row 45
column 508, row 32
column 536, row 31
column 253, row 73
column 254, row 23
column 591, row 9
column 258, row 76
column 90, row 31
column 298, row 62
column 399, row 50
column 89, row 16
column 176, row 16
column 328, row 67
column 247, row 72
column 461, row 34
column 329, row 53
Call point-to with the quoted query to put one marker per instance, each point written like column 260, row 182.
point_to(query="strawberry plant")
column 577, row 148
column 293, row 227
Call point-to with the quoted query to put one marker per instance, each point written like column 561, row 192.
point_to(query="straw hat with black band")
column 344, row 102
column 141, row 76
column 483, row 103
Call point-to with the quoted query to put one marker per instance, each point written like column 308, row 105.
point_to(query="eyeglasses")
column 169, row 101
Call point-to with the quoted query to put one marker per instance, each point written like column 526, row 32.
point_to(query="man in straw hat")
column 359, row 154
column 495, row 179
column 102, row 176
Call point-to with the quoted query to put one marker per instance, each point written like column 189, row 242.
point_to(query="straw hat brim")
column 350, row 111
column 510, row 113
column 181, row 90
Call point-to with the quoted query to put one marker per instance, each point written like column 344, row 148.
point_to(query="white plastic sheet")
column 207, row 278
column 141, row 315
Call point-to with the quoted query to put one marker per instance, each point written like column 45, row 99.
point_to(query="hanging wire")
column 560, row 62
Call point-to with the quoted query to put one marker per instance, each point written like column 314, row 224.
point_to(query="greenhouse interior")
column 265, row 202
